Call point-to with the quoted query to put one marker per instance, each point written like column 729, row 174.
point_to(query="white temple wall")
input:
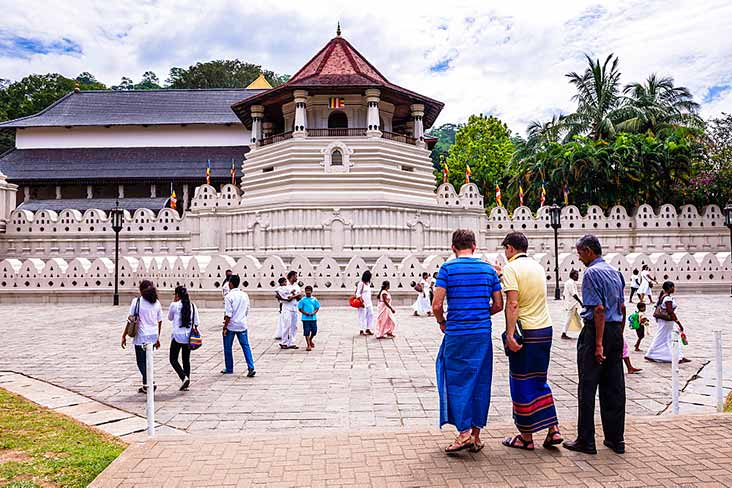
column 195, row 135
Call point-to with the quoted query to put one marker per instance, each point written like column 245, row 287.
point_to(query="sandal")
column 477, row 446
column 552, row 440
column 524, row 444
column 458, row 445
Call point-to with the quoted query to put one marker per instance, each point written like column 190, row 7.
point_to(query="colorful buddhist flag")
column 233, row 173
column 445, row 172
column 542, row 198
column 521, row 196
column 565, row 190
column 498, row 196
column 208, row 172
column 468, row 174
column 173, row 200
column 336, row 102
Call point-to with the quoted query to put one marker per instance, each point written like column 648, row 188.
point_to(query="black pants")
column 633, row 291
column 141, row 358
column 608, row 377
column 175, row 348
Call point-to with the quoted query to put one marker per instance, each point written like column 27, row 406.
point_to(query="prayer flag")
column 173, row 200
column 336, row 102
column 445, row 172
column 566, row 194
column 498, row 196
column 208, row 173
column 468, row 174
column 542, row 199
column 521, row 196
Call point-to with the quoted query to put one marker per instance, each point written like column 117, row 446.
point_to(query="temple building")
column 337, row 116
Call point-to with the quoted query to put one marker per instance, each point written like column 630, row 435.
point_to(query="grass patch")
column 41, row 448
column 728, row 403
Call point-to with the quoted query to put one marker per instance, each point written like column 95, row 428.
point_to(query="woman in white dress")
column 647, row 281
column 660, row 350
column 365, row 313
column 423, row 305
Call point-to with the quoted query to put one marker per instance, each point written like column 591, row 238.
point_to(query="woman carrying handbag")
column 184, row 316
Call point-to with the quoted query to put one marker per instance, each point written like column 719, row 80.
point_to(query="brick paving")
column 685, row 451
column 347, row 383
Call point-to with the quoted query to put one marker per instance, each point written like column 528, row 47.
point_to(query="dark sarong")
column 533, row 404
column 464, row 371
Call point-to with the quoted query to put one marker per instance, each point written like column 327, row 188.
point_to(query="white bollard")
column 675, row 371
column 720, row 370
column 150, row 390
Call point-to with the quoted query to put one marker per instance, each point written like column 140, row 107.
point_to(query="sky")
column 506, row 59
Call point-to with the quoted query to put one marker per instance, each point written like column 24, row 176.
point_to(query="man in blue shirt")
column 309, row 307
column 600, row 351
column 465, row 362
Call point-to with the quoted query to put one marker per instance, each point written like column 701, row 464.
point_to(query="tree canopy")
column 221, row 74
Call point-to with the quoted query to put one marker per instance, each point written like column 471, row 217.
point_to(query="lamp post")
column 728, row 223
column 116, row 215
column 555, row 215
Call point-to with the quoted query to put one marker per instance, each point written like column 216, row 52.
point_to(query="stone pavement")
column 692, row 451
column 348, row 383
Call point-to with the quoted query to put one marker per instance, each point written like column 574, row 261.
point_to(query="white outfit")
column 289, row 316
column 225, row 288
column 635, row 281
column 571, row 306
column 236, row 307
column 282, row 294
column 645, row 286
column 423, row 305
column 150, row 314
column 660, row 349
column 366, row 313
column 181, row 335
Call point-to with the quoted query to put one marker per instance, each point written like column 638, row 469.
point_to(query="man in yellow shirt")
column 528, row 343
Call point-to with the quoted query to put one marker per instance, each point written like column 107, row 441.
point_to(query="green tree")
column 149, row 81
column 445, row 135
column 485, row 144
column 712, row 180
column 221, row 74
column 124, row 84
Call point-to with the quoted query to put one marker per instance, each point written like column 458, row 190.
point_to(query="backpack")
column 633, row 321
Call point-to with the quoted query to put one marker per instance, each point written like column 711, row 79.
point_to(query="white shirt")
column 363, row 290
column 291, row 289
column 635, row 281
column 225, row 288
column 570, row 290
column 236, row 307
column 150, row 314
column 282, row 292
column 180, row 334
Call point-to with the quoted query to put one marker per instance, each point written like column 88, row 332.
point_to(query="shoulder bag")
column 194, row 341
column 661, row 313
column 133, row 321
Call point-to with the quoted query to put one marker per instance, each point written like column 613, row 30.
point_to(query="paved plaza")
column 347, row 383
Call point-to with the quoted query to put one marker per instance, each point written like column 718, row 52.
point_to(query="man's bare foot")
column 634, row 370
column 416, row 314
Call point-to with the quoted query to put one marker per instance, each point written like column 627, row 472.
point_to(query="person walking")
column 635, row 283
column 464, row 365
column 147, row 309
column 423, row 305
column 236, row 312
column 385, row 313
column 647, row 282
column 600, row 351
column 524, row 282
column 638, row 322
column 661, row 347
column 289, row 312
column 366, row 312
column 572, row 303
column 184, row 316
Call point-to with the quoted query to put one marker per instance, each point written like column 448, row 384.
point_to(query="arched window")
column 337, row 120
column 336, row 158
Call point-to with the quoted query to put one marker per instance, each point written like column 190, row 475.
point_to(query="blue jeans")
column 244, row 341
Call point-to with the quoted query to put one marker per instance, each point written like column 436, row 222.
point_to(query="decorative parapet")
column 206, row 198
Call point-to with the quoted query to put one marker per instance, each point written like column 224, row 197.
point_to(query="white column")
column 257, row 115
column 120, row 191
column 266, row 129
column 373, row 126
column 89, row 192
column 153, row 191
column 58, row 192
column 417, row 114
column 26, row 193
column 300, row 128
column 185, row 197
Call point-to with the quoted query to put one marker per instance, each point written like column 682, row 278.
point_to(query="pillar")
column 266, row 129
column 120, row 191
column 153, row 191
column 257, row 115
column 7, row 198
column 417, row 115
column 185, row 197
column 58, row 192
column 300, row 128
column 26, row 193
column 373, row 125
column 89, row 192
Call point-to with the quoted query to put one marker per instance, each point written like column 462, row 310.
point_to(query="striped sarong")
column 533, row 404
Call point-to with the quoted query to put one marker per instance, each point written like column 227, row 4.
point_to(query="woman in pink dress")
column 384, row 314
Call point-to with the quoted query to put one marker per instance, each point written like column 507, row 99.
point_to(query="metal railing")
column 340, row 132
column 275, row 138
column 393, row 136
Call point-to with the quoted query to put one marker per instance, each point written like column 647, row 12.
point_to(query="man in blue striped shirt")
column 465, row 361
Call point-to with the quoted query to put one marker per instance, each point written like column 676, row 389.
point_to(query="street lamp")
column 116, row 215
column 555, row 215
column 728, row 223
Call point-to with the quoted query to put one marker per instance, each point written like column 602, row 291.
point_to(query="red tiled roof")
column 338, row 63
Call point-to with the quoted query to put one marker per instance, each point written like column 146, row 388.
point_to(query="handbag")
column 133, row 321
column 194, row 340
column 518, row 334
column 661, row 313
column 355, row 301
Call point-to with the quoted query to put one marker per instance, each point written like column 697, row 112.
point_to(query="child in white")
column 289, row 312
column 572, row 302
column 281, row 294
column 423, row 305
column 365, row 313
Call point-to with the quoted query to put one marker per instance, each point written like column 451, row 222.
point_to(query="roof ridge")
column 38, row 113
column 168, row 90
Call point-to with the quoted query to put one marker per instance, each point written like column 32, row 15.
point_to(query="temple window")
column 336, row 158
column 338, row 120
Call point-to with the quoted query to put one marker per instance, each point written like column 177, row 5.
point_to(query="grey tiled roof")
column 138, row 107
column 82, row 204
column 121, row 164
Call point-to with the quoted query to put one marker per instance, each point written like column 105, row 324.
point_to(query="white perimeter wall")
column 132, row 136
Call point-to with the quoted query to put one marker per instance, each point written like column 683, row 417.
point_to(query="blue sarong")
column 533, row 403
column 464, row 371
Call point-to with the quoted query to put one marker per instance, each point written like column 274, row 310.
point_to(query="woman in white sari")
column 647, row 281
column 423, row 305
column 661, row 347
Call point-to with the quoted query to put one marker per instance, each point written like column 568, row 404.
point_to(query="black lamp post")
column 116, row 215
column 728, row 223
column 555, row 214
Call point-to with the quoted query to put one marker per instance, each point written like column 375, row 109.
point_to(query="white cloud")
column 506, row 58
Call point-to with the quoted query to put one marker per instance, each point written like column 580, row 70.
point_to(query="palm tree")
column 657, row 104
column 598, row 98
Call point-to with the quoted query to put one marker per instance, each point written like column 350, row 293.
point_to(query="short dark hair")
column 641, row 306
column 148, row 291
column 310, row 288
column 588, row 241
column 635, row 271
column 282, row 280
column 516, row 240
column 235, row 280
column 463, row 239
column 228, row 271
column 291, row 274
